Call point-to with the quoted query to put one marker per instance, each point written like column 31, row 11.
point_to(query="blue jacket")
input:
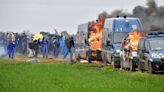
column 61, row 41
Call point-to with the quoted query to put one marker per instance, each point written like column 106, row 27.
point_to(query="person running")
column 11, row 45
column 66, row 52
column 70, row 45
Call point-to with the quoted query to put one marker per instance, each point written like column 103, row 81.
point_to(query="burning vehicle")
column 95, row 41
column 151, row 52
column 102, row 40
column 128, row 54
column 115, row 30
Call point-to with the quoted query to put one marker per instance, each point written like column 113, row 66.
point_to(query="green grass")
column 34, row 77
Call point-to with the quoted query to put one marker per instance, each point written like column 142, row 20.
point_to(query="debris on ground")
column 33, row 60
column 83, row 61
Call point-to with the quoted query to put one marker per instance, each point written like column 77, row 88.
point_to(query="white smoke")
column 3, row 51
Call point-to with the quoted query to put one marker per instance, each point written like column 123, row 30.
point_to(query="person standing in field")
column 61, row 47
column 45, row 48
column 24, row 44
column 56, row 47
column 36, row 47
column 11, row 45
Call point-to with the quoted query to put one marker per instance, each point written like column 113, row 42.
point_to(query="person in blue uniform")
column 45, row 48
column 10, row 48
column 11, row 45
column 61, row 48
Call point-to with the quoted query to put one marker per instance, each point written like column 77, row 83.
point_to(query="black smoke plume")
column 151, row 15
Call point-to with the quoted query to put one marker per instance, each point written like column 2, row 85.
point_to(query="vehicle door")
column 145, row 52
column 141, row 47
column 107, row 39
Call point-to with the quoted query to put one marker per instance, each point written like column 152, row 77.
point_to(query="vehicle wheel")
column 122, row 60
column 104, row 58
column 139, row 67
column 114, row 63
column 78, row 58
column 131, row 65
column 88, row 59
column 150, row 68
column 121, row 63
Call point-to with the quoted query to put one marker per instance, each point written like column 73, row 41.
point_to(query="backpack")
column 69, row 42
column 31, row 45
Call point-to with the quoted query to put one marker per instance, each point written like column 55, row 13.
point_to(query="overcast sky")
column 44, row 15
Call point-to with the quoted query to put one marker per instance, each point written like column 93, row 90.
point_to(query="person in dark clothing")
column 56, row 47
column 16, row 42
column 36, row 47
column 70, row 45
column 24, row 44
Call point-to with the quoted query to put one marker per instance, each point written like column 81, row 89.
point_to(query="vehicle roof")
column 154, row 37
column 83, row 27
column 119, row 23
column 120, row 18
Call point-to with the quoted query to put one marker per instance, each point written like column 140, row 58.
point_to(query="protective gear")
column 69, row 42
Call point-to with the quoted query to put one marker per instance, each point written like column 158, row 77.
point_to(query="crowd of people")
column 57, row 45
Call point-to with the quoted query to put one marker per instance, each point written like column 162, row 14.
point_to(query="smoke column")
column 151, row 15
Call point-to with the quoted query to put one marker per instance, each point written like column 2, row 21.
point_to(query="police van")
column 81, row 46
column 151, row 52
column 115, row 30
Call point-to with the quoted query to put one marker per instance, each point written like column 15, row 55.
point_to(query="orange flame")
column 133, row 39
column 95, row 34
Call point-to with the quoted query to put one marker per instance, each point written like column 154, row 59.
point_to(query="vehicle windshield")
column 126, row 25
column 157, row 44
column 123, row 27
column 118, row 36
